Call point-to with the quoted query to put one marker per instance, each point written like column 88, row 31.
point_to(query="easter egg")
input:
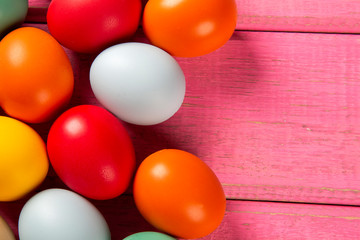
column 91, row 152
column 59, row 214
column 139, row 83
column 23, row 159
column 92, row 25
column 36, row 77
column 12, row 14
column 187, row 28
column 5, row 231
column 149, row 236
column 179, row 194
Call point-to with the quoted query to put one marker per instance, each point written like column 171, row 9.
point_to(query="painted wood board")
column 275, row 115
column 243, row 220
column 38, row 3
column 298, row 15
column 341, row 16
column 37, row 11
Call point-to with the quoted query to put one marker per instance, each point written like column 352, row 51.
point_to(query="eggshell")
column 23, row 159
column 59, row 214
column 138, row 82
column 5, row 231
column 91, row 151
column 90, row 26
column 36, row 76
column 179, row 194
column 149, row 236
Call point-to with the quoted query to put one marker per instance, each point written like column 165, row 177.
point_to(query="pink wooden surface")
column 341, row 16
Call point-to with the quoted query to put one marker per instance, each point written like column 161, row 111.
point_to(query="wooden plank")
column 37, row 11
column 275, row 115
column 243, row 220
column 341, row 16
column 38, row 3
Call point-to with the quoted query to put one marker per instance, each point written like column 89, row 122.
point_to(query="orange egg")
column 179, row 194
column 186, row 28
column 36, row 77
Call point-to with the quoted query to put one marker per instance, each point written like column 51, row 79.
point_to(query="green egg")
column 12, row 14
column 149, row 236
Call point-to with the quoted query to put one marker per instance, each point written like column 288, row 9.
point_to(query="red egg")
column 91, row 152
column 92, row 25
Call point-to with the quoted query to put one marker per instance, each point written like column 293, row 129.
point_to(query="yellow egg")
column 23, row 159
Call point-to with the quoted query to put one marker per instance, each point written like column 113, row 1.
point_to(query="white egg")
column 139, row 83
column 58, row 214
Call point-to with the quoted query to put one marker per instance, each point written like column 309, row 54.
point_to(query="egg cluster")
column 87, row 146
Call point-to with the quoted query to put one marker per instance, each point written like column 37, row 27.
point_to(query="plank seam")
column 291, row 202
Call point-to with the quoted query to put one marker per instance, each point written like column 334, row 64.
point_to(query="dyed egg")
column 149, row 236
column 139, row 83
column 23, row 159
column 187, row 28
column 59, row 214
column 12, row 14
column 36, row 77
column 5, row 231
column 91, row 152
column 179, row 194
column 92, row 25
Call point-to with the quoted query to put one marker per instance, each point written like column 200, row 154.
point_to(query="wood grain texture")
column 243, row 220
column 340, row 16
column 38, row 3
column 37, row 11
column 275, row 115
